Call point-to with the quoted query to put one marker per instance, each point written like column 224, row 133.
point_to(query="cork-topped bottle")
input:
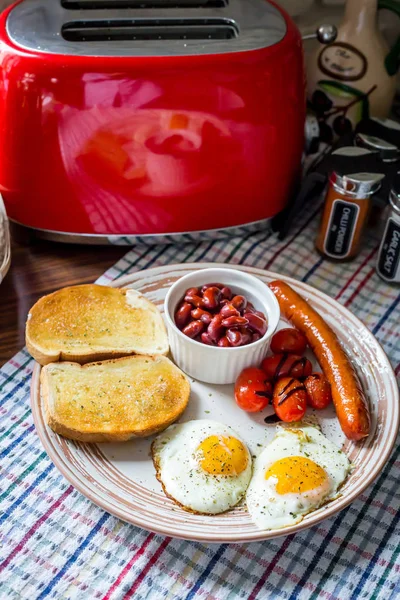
column 355, row 76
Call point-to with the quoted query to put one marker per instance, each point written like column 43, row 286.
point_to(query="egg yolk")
column 222, row 455
column 296, row 474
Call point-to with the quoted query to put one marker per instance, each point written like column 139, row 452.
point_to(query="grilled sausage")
column 348, row 397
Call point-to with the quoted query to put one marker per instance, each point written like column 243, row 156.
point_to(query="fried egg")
column 202, row 465
column 299, row 471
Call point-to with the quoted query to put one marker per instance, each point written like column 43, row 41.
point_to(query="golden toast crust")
column 90, row 322
column 113, row 400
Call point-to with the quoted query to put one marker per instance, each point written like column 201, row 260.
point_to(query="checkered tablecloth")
column 57, row 544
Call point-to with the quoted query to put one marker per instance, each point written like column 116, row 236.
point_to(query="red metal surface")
column 149, row 145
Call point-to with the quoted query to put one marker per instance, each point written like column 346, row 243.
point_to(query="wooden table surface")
column 39, row 269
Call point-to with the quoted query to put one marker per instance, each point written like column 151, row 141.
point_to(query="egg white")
column 269, row 509
column 177, row 461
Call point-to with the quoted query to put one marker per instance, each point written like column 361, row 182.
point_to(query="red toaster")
column 135, row 119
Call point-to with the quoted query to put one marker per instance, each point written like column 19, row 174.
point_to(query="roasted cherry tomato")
column 319, row 394
column 252, row 390
column 289, row 399
column 285, row 365
column 289, row 340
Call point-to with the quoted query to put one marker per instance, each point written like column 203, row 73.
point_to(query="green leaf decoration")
column 360, row 110
column 340, row 89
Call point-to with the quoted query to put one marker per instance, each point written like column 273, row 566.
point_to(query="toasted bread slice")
column 85, row 323
column 113, row 400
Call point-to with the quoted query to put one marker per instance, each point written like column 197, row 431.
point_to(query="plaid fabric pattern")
column 56, row 544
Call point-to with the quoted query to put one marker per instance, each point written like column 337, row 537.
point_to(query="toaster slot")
column 121, row 28
column 150, row 30
column 110, row 4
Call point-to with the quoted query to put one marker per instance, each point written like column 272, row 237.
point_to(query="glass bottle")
column 355, row 76
column 388, row 262
column 346, row 211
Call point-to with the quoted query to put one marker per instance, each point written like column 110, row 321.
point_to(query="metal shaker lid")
column 350, row 151
column 387, row 151
column 394, row 200
column 357, row 185
column 388, row 123
column 394, row 194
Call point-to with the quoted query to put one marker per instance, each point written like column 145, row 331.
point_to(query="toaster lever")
column 325, row 34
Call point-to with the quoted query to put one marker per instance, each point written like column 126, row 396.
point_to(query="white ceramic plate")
column 5, row 243
column 120, row 477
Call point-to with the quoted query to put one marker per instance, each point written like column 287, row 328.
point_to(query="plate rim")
column 125, row 281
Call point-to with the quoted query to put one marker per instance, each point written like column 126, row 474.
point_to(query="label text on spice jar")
column 389, row 253
column 341, row 228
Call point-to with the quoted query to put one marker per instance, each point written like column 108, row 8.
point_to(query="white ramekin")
column 213, row 364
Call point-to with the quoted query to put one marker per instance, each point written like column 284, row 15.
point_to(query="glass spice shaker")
column 311, row 134
column 388, row 153
column 388, row 262
column 346, row 210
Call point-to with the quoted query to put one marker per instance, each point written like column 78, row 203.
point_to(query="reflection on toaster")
column 149, row 152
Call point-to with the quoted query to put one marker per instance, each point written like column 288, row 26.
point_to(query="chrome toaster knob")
column 326, row 34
